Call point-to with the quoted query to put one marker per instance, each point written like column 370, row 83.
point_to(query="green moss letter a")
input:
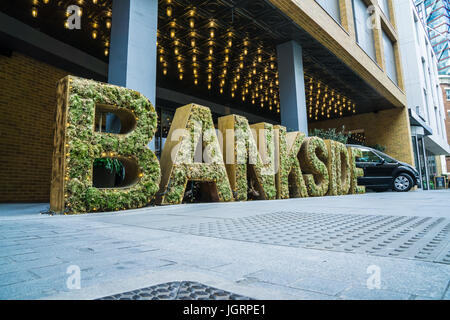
column 192, row 153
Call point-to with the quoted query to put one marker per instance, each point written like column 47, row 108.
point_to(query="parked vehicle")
column 382, row 172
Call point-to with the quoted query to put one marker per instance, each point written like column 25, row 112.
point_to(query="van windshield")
column 386, row 157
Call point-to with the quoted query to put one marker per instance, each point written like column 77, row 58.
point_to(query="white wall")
column 420, row 73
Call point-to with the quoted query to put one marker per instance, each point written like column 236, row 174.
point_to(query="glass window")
column 332, row 7
column 389, row 57
column 363, row 25
column 387, row 158
column 368, row 156
column 447, row 93
column 384, row 5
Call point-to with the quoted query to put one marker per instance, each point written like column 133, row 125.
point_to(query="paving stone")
column 416, row 238
column 11, row 252
column 362, row 293
column 15, row 277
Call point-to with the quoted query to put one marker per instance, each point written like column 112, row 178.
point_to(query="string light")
column 247, row 70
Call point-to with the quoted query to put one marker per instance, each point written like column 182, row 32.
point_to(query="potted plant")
column 108, row 173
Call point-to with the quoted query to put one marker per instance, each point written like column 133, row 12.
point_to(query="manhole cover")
column 177, row 291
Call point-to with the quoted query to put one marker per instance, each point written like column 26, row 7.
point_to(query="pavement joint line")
column 446, row 290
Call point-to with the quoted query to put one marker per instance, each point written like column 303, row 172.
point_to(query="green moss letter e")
column 78, row 145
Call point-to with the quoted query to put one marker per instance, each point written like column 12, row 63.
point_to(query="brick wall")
column 27, row 105
column 388, row 128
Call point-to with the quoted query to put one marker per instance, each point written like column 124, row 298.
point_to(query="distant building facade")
column 425, row 100
column 435, row 14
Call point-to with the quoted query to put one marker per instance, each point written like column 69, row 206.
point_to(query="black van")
column 382, row 172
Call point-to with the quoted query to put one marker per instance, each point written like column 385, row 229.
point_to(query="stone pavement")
column 317, row 248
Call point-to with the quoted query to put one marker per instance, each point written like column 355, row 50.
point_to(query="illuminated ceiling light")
column 106, row 52
column 34, row 12
column 169, row 11
column 165, row 71
column 192, row 22
column 108, row 23
column 94, row 34
column 212, row 30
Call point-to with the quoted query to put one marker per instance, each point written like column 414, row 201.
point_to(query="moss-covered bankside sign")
column 278, row 164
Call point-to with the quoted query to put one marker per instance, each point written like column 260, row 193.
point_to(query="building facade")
column 445, row 86
column 425, row 102
column 303, row 64
column 435, row 14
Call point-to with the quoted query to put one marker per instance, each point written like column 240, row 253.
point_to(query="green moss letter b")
column 78, row 145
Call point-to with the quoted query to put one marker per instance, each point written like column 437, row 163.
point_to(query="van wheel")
column 403, row 183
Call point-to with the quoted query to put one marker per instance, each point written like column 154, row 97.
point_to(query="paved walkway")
column 374, row 246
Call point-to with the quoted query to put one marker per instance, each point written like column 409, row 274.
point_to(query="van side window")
column 368, row 156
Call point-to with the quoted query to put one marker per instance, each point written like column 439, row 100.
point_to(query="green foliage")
column 84, row 146
column 330, row 134
column 247, row 154
column 185, row 170
column 112, row 165
column 355, row 172
column 290, row 177
column 313, row 159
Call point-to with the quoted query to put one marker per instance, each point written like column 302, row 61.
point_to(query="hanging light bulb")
column 212, row 30
column 192, row 22
column 94, row 34
column 108, row 23
column 34, row 12
column 169, row 11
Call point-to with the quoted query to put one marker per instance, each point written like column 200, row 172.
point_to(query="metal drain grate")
column 177, row 291
column 418, row 238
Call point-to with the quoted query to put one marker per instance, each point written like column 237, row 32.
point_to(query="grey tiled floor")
column 317, row 248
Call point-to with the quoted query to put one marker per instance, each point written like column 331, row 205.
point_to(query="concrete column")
column 294, row 115
column 133, row 52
